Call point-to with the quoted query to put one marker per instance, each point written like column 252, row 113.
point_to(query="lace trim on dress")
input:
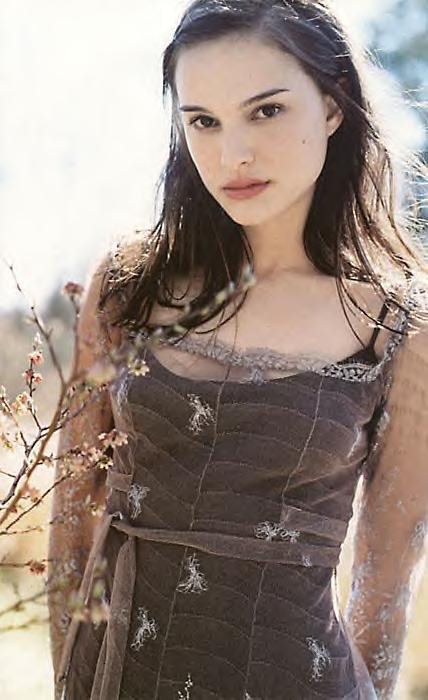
column 259, row 360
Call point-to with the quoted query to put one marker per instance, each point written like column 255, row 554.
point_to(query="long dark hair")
column 352, row 231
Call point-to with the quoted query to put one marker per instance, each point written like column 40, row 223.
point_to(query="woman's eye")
column 197, row 119
column 266, row 108
column 270, row 107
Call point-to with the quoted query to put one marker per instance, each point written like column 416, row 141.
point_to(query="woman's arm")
column 389, row 549
column 70, row 540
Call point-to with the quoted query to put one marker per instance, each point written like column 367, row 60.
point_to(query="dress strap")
column 381, row 317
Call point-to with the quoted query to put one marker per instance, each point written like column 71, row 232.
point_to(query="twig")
column 23, row 601
column 37, row 460
column 19, row 564
column 40, row 325
column 2, row 471
column 36, row 503
column 28, row 530
column 24, row 625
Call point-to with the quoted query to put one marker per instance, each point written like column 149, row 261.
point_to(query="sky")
column 83, row 131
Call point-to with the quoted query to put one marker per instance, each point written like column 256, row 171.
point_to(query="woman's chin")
column 248, row 219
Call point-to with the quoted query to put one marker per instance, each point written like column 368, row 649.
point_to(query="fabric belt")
column 238, row 547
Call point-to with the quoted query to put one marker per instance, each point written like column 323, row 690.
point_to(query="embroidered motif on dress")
column 321, row 658
column 196, row 581
column 147, row 629
column 136, row 495
column 188, row 684
column 203, row 413
column 268, row 531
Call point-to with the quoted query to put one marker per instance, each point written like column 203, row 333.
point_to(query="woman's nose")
column 234, row 151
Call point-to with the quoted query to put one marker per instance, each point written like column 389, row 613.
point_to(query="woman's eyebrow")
column 246, row 103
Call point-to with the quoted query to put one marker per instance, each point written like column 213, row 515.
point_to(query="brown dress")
column 223, row 529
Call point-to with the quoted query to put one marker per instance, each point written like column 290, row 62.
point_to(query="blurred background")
column 83, row 138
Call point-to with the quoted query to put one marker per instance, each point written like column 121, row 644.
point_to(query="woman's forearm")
column 378, row 626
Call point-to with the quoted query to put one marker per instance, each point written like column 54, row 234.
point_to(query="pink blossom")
column 36, row 357
column 114, row 438
column 31, row 376
column 94, row 455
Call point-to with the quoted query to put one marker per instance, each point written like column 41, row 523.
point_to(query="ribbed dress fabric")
column 223, row 528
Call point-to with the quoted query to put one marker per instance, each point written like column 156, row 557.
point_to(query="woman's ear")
column 334, row 113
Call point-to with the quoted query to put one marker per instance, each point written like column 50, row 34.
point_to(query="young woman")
column 224, row 515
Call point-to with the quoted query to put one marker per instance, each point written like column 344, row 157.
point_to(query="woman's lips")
column 246, row 192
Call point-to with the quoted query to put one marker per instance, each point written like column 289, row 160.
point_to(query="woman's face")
column 281, row 139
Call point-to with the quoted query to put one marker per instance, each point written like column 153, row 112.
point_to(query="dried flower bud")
column 100, row 567
column 98, row 589
column 37, row 567
column 99, row 612
column 48, row 460
column 32, row 493
column 94, row 455
column 5, row 441
column 73, row 290
column 75, row 463
column 178, row 328
column 221, row 296
column 248, row 278
column 114, row 438
column 37, row 342
column 77, row 607
column 22, row 404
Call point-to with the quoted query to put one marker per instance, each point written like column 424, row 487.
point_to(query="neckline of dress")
column 365, row 366
column 257, row 354
column 257, row 359
column 263, row 356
